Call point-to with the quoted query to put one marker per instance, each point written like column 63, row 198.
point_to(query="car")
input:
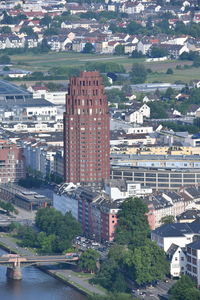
column 142, row 293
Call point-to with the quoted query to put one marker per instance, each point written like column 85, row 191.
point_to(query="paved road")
column 151, row 293
column 78, row 280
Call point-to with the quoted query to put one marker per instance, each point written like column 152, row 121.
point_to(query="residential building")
column 180, row 234
column 86, row 130
column 193, row 261
column 12, row 162
column 178, row 260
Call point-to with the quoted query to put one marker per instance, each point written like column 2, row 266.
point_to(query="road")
column 79, row 281
column 152, row 293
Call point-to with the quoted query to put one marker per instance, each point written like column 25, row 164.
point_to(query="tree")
column 127, row 89
column 136, row 54
column 169, row 71
column 64, row 228
column 158, row 52
column 147, row 263
column 119, row 50
column 5, row 59
column 88, row 261
column 44, row 47
column 134, row 27
column 109, row 277
column 169, row 93
column 6, row 30
column 8, row 207
column 88, row 48
column 51, row 31
column 112, row 296
column 158, row 110
column 46, row 21
column 167, row 220
column 185, row 289
column 6, row 68
column 138, row 73
column 115, row 95
column 133, row 228
column 28, row 30
column 45, row 242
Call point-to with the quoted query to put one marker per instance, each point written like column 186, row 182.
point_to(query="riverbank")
column 68, row 277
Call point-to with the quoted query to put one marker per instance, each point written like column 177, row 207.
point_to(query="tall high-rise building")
column 86, row 130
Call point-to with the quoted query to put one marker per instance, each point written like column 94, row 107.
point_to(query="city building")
column 157, row 178
column 12, row 163
column 193, row 261
column 178, row 261
column 86, row 130
column 24, row 198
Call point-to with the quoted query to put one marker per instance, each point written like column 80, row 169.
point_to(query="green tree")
column 167, row 220
column 133, row 228
column 88, row 261
column 115, row 95
column 45, row 242
column 147, row 263
column 158, row 52
column 158, row 110
column 138, row 73
column 127, row 89
column 112, row 296
column 8, row 207
column 51, row 31
column 6, row 30
column 28, row 30
column 169, row 93
column 5, row 59
column 65, row 228
column 136, row 54
column 6, row 68
column 44, row 47
column 109, row 278
column 28, row 236
column 88, row 48
column 184, row 289
column 46, row 21
column 169, row 71
column 119, row 50
column 133, row 28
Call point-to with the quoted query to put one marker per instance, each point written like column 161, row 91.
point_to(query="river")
column 35, row 285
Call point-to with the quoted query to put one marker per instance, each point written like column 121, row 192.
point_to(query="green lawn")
column 185, row 75
column 43, row 62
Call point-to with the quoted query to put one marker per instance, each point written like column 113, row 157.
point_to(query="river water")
column 35, row 285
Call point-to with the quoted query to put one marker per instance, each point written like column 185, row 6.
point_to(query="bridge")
column 14, row 262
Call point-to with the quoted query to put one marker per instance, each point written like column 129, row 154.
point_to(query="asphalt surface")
column 79, row 281
column 153, row 292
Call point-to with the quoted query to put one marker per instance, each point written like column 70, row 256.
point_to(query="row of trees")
column 134, row 254
column 55, row 232
column 8, row 207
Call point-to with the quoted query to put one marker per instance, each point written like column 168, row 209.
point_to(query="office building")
column 86, row 130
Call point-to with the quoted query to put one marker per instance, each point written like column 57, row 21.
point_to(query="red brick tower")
column 86, row 130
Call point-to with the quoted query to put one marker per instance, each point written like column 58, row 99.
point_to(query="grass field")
column 44, row 62
column 185, row 75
